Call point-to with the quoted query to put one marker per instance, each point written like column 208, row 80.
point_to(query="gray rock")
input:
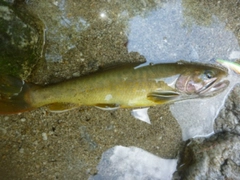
column 228, row 119
column 213, row 158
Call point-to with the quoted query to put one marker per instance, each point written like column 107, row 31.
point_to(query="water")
column 166, row 35
column 80, row 38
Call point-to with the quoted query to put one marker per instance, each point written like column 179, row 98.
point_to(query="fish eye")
column 209, row 74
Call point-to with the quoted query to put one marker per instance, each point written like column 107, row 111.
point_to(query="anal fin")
column 107, row 106
column 61, row 107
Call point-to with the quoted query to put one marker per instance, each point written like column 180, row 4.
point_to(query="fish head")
column 202, row 81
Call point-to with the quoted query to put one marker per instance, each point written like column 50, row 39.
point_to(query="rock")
column 228, row 119
column 21, row 39
column 213, row 158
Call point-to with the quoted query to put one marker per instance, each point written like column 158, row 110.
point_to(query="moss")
column 21, row 40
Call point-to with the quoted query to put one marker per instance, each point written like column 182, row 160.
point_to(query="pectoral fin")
column 107, row 106
column 162, row 96
column 61, row 107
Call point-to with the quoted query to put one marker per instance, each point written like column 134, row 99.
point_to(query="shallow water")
column 83, row 37
column 167, row 34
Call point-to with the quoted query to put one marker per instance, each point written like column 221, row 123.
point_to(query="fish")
column 229, row 64
column 128, row 86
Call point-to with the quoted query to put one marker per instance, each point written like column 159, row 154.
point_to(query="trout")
column 124, row 87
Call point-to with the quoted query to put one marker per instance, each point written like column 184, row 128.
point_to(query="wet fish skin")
column 115, row 86
column 124, row 87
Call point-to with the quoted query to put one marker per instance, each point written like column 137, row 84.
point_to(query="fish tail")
column 14, row 95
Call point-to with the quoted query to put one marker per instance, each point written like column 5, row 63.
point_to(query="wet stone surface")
column 214, row 158
column 21, row 40
column 229, row 117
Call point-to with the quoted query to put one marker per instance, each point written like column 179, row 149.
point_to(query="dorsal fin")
column 113, row 65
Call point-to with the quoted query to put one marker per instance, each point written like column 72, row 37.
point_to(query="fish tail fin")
column 14, row 95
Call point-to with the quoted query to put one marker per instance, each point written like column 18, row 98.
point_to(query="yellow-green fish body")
column 123, row 87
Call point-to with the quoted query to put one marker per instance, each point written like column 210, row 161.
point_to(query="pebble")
column 44, row 136
column 76, row 74
column 21, row 150
column 23, row 119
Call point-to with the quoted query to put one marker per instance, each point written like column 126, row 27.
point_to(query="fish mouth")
column 213, row 86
